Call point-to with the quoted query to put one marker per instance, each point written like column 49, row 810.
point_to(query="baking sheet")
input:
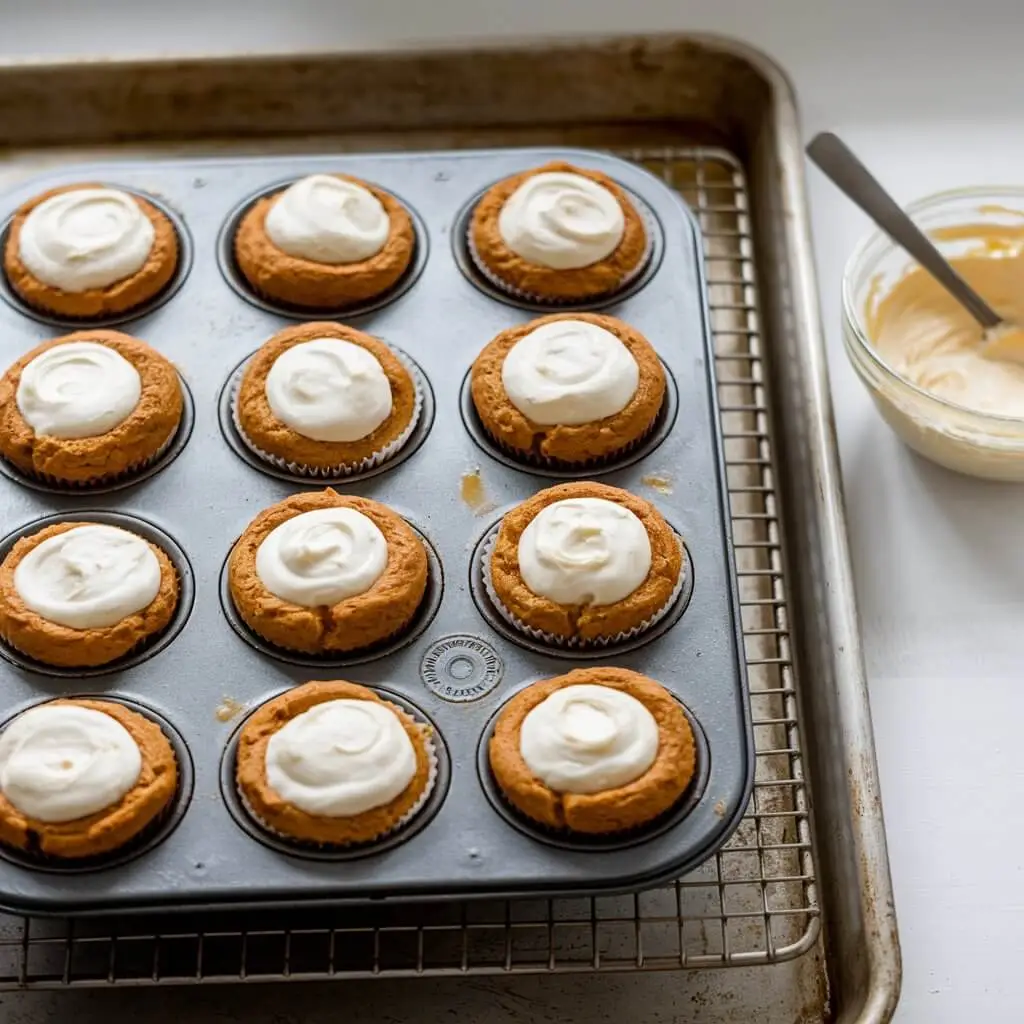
column 717, row 121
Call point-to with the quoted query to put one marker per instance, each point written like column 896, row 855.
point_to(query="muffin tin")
column 458, row 664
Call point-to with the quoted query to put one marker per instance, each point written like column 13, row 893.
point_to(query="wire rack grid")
column 754, row 902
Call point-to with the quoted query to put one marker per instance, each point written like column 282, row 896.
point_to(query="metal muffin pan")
column 454, row 667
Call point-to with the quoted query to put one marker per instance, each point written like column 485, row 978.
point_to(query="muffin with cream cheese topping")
column 558, row 233
column 327, row 241
column 584, row 564
column 87, row 251
column 80, row 778
column 322, row 399
column 573, row 389
column 333, row 763
column 89, row 408
column 596, row 751
column 326, row 573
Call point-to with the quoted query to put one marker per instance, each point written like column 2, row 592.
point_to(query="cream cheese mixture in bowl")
column 919, row 352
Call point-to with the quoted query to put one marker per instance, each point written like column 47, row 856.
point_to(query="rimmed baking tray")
column 717, row 122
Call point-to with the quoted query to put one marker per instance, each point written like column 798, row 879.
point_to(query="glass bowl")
column 978, row 444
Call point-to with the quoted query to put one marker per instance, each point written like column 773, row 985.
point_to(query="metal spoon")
column 1000, row 338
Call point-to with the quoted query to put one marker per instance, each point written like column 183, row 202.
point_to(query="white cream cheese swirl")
column 584, row 551
column 569, row 372
column 326, row 219
column 61, row 762
column 78, row 389
column 322, row 557
column 89, row 577
column 561, row 220
column 329, row 389
column 340, row 758
column 85, row 238
column 588, row 739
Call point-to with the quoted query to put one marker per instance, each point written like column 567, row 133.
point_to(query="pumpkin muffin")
column 81, row 778
column 597, row 751
column 327, row 573
column 324, row 399
column 326, row 241
column 558, row 233
column 574, row 388
column 80, row 595
column 584, row 563
column 88, row 251
column 334, row 764
column 89, row 407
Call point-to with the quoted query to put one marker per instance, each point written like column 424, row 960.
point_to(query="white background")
column 930, row 95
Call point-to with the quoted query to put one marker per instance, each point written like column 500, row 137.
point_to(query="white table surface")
column 929, row 94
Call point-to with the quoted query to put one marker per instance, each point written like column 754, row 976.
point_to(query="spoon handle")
column 833, row 156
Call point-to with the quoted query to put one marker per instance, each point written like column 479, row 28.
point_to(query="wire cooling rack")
column 754, row 902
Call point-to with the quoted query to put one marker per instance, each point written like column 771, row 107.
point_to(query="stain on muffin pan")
column 202, row 500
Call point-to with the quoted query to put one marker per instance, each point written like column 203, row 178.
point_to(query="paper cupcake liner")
column 377, row 458
column 111, row 478
column 577, row 643
column 549, row 462
column 428, row 789
column 548, row 300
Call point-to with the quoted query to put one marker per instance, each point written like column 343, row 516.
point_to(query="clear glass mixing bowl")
column 969, row 442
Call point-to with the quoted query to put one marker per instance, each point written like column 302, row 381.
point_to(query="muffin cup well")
column 149, row 304
column 405, row 819
column 549, row 300
column 576, row 643
column 378, row 458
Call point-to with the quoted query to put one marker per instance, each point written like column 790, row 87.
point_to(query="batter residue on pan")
column 474, row 493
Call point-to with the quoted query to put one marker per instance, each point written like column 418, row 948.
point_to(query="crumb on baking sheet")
column 720, row 808
column 660, row 482
column 228, row 708
column 474, row 493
